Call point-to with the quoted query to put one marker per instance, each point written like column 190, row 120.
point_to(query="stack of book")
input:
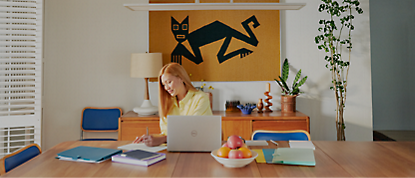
column 139, row 157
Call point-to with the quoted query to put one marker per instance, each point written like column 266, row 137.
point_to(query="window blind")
column 20, row 73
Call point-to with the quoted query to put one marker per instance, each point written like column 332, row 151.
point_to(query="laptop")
column 194, row 133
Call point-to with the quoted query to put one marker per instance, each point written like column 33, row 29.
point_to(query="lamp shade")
column 146, row 65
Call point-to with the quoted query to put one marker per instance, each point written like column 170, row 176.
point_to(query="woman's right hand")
column 151, row 140
column 139, row 139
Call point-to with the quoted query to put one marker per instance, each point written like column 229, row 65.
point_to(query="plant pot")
column 288, row 103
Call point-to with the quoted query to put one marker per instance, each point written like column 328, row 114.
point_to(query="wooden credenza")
column 132, row 125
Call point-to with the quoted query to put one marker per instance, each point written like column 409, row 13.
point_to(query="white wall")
column 87, row 51
column 87, row 48
column 319, row 102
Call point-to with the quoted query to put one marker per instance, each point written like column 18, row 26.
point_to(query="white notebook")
column 142, row 146
column 256, row 142
column 301, row 144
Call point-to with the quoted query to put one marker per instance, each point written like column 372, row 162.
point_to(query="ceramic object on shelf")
column 247, row 109
column 267, row 102
column 260, row 105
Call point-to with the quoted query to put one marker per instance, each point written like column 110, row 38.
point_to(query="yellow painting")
column 225, row 45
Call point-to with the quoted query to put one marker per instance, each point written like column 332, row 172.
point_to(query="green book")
column 292, row 156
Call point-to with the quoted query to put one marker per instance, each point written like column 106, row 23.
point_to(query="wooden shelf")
column 214, row 6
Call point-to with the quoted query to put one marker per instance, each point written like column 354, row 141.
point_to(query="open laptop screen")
column 194, row 133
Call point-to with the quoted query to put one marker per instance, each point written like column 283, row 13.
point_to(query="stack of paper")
column 142, row 146
column 301, row 144
column 87, row 154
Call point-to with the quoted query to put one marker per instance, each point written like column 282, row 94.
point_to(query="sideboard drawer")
column 236, row 127
column 129, row 130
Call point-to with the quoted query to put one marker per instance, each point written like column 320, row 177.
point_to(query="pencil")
column 274, row 142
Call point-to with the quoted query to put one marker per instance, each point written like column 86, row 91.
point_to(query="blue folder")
column 88, row 154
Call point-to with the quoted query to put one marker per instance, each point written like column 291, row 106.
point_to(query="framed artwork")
column 219, row 45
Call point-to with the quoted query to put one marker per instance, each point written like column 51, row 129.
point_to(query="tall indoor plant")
column 289, row 94
column 332, row 42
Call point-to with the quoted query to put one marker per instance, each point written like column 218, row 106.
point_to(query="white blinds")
column 20, row 73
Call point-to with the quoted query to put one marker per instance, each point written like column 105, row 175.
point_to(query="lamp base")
column 146, row 109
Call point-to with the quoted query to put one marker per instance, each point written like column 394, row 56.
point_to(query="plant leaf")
column 302, row 81
column 295, row 87
column 285, row 85
column 282, row 87
column 296, row 91
column 285, row 70
column 297, row 77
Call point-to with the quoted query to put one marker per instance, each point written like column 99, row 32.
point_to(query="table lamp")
column 146, row 65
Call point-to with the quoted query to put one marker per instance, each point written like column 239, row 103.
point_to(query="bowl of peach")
column 234, row 153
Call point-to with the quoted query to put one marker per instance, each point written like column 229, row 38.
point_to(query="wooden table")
column 132, row 125
column 333, row 159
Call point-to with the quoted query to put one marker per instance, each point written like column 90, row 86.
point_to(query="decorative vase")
column 260, row 105
column 288, row 103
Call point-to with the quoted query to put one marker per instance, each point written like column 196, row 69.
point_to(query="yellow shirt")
column 194, row 103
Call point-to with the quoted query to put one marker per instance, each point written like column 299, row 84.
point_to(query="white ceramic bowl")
column 234, row 163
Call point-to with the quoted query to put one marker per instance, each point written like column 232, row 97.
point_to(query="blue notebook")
column 88, row 154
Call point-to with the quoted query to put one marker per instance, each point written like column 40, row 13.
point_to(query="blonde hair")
column 165, row 99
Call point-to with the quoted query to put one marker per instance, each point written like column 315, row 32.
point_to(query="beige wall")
column 86, row 54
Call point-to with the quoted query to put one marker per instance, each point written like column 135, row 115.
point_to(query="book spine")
column 146, row 162
column 160, row 155
column 144, row 165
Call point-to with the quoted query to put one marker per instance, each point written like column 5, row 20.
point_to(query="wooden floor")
column 399, row 135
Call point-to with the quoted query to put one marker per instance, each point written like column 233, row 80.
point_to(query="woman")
column 177, row 96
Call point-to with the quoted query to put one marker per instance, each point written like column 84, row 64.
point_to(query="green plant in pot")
column 289, row 94
column 331, row 41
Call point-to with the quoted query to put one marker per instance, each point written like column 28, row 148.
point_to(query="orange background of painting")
column 261, row 65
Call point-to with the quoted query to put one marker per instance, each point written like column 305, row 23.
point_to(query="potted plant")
column 289, row 94
column 331, row 41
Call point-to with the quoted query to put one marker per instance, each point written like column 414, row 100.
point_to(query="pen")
column 274, row 142
column 146, row 130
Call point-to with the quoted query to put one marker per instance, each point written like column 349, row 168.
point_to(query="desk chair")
column 96, row 119
column 19, row 157
column 280, row 135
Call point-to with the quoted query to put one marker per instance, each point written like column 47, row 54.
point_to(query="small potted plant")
column 289, row 93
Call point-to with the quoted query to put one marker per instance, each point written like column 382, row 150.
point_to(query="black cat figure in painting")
column 208, row 34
